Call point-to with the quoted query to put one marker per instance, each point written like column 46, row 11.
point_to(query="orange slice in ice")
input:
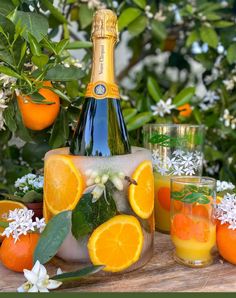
column 64, row 184
column 117, row 243
column 46, row 212
column 141, row 196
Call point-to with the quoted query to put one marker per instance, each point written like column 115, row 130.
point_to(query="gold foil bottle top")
column 105, row 24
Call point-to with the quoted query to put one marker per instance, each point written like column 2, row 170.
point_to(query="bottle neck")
column 103, row 60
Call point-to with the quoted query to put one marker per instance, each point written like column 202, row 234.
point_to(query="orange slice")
column 163, row 196
column 46, row 212
column 64, row 184
column 5, row 207
column 141, row 196
column 117, row 243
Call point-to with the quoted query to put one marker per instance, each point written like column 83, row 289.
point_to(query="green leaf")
column 8, row 71
column 34, row 45
column 203, row 200
column 77, row 275
column 138, row 25
column 6, row 7
column 128, row 114
column 65, row 74
column 231, row 53
column 209, row 36
column 79, row 45
column 52, row 237
column 32, row 197
column 85, row 16
column 33, row 23
column 40, row 60
column 128, row 16
column 184, row 96
column 192, row 198
column 140, row 3
column 9, row 117
column 61, row 94
column 158, row 30
column 139, row 120
column 211, row 16
column 60, row 131
column 87, row 215
column 223, row 24
column 61, row 46
column 154, row 89
column 54, row 11
column 10, row 197
column 193, row 36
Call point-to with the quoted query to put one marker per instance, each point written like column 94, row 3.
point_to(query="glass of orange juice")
column 176, row 150
column 193, row 227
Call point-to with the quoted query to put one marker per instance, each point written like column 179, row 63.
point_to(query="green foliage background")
column 183, row 33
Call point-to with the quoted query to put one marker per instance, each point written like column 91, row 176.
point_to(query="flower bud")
column 121, row 175
column 117, row 183
column 97, row 180
column 105, row 178
column 97, row 192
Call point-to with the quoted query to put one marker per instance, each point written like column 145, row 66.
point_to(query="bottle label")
column 101, row 90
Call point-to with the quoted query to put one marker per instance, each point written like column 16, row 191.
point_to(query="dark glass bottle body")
column 101, row 130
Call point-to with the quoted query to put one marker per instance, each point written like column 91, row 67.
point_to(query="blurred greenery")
column 184, row 51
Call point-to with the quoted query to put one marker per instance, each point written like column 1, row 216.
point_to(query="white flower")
column 162, row 107
column 189, row 171
column 94, row 4
column 148, row 13
column 21, row 223
column 38, row 280
column 187, row 159
column 29, row 182
column 226, row 210
column 40, row 224
column 224, row 185
column 228, row 119
column 117, row 182
column 178, row 171
column 209, row 100
column 220, row 49
column 159, row 16
column 98, row 191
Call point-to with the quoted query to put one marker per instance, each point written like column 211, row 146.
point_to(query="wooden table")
column 161, row 274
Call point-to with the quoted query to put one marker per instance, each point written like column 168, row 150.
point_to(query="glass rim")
column 174, row 125
column 208, row 180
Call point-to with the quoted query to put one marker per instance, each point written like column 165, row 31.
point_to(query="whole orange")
column 185, row 110
column 39, row 116
column 18, row 255
column 226, row 242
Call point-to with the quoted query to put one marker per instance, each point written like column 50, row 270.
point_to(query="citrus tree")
column 180, row 68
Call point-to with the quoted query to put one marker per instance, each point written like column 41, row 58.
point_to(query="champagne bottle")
column 101, row 129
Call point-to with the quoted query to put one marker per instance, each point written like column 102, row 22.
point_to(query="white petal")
column 36, row 267
column 42, row 272
column 53, row 284
column 31, row 276
column 59, row 271
column 34, row 289
column 43, row 290
column 21, row 289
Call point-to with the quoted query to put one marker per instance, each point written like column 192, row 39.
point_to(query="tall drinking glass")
column 193, row 228
column 176, row 150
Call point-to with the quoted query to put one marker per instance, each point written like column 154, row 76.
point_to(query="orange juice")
column 162, row 202
column 194, row 238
